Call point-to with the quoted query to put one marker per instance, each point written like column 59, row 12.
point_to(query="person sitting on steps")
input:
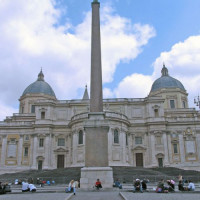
column 117, row 184
column 98, row 184
column 137, row 186
column 72, row 186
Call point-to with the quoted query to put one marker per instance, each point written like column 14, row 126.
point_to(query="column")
column 3, row 151
column 20, row 150
column 34, row 152
column 153, row 161
column 46, row 152
column 170, row 148
column 182, row 149
column 198, row 145
column 165, row 142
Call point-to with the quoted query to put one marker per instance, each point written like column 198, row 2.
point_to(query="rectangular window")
column 33, row 109
column 22, row 109
column 126, row 139
column 26, row 151
column 61, row 142
column 12, row 141
column 158, row 140
column 116, row 136
column 175, row 148
column 26, row 138
column 172, row 104
column 41, row 142
column 184, row 105
column 80, row 137
column 138, row 140
column 156, row 113
column 42, row 115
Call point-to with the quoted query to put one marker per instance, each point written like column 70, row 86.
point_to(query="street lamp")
column 197, row 101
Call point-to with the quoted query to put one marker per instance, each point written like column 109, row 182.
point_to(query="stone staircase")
column 128, row 174
column 125, row 174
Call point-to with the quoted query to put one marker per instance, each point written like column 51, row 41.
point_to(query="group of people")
column 161, row 187
column 170, row 187
column 140, row 185
column 43, row 182
column 75, row 184
column 26, row 187
column 4, row 187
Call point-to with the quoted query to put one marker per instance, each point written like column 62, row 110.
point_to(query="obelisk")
column 96, row 127
column 96, row 102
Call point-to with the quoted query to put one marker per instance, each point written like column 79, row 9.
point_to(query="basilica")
column 159, row 130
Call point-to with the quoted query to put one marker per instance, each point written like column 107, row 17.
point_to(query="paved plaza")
column 100, row 195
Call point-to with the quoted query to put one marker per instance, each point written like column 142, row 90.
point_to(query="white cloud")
column 134, row 86
column 183, row 63
column 31, row 38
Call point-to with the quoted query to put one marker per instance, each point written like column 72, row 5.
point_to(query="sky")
column 137, row 37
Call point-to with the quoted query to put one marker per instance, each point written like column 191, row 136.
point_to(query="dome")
column 166, row 81
column 39, row 86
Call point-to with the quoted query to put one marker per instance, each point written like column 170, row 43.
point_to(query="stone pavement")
column 57, row 192
column 100, row 195
column 163, row 196
column 35, row 196
column 97, row 195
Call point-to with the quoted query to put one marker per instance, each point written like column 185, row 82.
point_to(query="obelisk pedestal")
column 96, row 152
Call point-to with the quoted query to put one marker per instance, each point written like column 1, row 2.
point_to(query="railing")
column 108, row 114
column 24, row 114
column 180, row 110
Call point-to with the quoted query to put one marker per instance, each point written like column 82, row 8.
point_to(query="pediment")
column 60, row 150
column 139, row 148
column 160, row 155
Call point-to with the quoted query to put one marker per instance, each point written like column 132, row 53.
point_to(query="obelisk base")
column 89, row 176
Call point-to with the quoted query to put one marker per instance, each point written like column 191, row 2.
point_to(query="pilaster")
column 3, row 151
column 165, row 143
column 20, row 149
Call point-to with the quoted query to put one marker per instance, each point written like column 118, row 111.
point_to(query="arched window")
column 116, row 136
column 80, row 137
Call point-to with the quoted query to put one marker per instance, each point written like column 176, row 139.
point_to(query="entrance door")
column 60, row 161
column 39, row 164
column 139, row 159
column 160, row 162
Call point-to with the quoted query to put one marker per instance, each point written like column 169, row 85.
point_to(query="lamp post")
column 197, row 101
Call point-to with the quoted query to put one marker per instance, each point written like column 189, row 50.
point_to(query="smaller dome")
column 166, row 81
column 39, row 86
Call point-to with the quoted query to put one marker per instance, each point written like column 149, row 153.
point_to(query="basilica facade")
column 157, row 131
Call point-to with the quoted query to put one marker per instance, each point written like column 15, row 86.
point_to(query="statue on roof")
column 164, row 70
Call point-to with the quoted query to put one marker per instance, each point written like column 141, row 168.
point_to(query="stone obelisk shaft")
column 96, row 97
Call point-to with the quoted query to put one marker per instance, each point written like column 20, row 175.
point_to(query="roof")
column 39, row 86
column 166, row 81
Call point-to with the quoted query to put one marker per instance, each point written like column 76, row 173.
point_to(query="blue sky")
column 137, row 37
